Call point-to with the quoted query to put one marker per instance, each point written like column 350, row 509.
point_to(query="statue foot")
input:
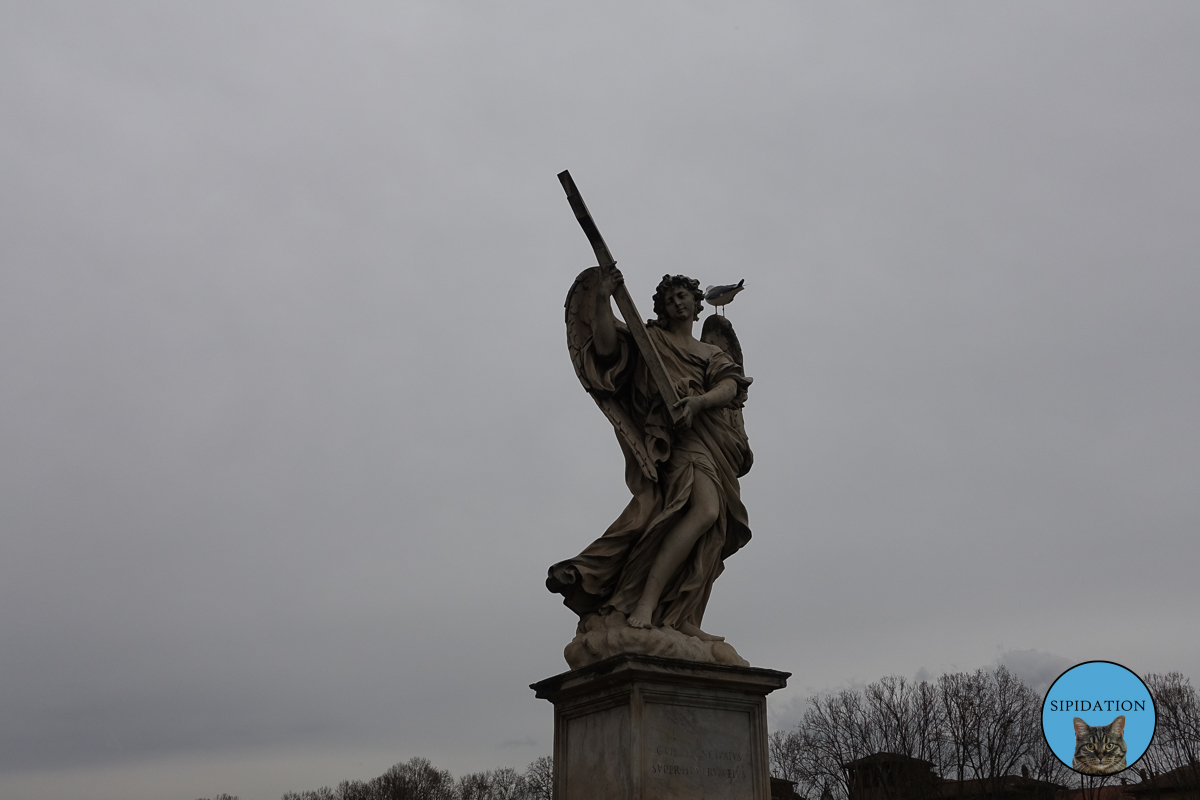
column 640, row 618
column 688, row 629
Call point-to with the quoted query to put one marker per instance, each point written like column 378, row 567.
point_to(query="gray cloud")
column 1037, row 669
column 528, row 741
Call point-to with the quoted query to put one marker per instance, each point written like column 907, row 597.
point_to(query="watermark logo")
column 1098, row 718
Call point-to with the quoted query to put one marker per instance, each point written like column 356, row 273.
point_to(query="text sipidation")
column 1097, row 705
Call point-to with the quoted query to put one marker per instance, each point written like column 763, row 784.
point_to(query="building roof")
column 1008, row 784
column 1111, row 792
column 886, row 758
column 1185, row 777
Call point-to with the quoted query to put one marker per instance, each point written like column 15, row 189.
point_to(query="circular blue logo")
column 1098, row 718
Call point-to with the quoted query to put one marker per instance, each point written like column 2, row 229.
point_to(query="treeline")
column 417, row 779
column 1177, row 732
column 972, row 726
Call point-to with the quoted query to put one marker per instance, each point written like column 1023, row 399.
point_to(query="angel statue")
column 643, row 586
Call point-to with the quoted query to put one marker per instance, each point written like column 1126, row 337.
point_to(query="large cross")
column 624, row 302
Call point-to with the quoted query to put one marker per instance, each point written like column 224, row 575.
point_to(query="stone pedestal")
column 635, row 727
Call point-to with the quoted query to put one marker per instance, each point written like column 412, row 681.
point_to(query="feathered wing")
column 580, row 307
column 718, row 331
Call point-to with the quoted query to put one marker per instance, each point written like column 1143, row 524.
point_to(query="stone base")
column 636, row 727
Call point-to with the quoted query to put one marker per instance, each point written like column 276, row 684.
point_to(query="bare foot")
column 688, row 629
column 640, row 618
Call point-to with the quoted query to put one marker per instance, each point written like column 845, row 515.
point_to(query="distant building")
column 1114, row 791
column 782, row 789
column 893, row 776
column 890, row 776
column 1009, row 787
column 1182, row 783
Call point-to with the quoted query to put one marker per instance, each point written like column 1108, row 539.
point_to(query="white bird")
column 719, row 296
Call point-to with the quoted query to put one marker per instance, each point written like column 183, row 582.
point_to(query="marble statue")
column 675, row 403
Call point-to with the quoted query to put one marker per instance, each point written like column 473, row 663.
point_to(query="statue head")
column 665, row 286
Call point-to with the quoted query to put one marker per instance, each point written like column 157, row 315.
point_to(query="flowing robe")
column 660, row 466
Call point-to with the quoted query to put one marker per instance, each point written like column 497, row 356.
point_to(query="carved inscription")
column 704, row 763
column 698, row 752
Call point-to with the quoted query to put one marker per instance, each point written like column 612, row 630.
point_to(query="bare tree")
column 929, row 720
column 992, row 726
column 1177, row 711
column 785, row 754
column 1045, row 766
column 324, row 793
column 970, row 726
column 893, row 715
column 904, row 718
column 497, row 784
column 415, row 779
column 539, row 779
column 1172, row 762
column 962, row 719
column 833, row 732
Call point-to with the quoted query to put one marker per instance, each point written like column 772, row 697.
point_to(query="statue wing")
column 579, row 307
column 719, row 331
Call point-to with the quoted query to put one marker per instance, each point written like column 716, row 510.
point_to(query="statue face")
column 680, row 304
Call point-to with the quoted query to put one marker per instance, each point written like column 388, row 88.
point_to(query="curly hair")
column 665, row 285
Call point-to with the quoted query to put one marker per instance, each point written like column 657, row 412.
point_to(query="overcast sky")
column 288, row 430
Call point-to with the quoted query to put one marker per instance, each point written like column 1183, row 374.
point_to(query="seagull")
column 719, row 296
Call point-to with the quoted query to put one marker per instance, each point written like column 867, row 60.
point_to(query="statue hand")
column 610, row 279
column 689, row 407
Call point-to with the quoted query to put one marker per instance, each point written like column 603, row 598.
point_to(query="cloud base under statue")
column 600, row 636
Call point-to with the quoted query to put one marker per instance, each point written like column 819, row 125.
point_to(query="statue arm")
column 604, row 324
column 605, row 379
column 716, row 397
column 720, row 395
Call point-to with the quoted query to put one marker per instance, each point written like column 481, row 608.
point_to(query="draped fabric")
column 661, row 464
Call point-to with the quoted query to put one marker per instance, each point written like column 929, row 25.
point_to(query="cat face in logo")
column 1100, row 750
